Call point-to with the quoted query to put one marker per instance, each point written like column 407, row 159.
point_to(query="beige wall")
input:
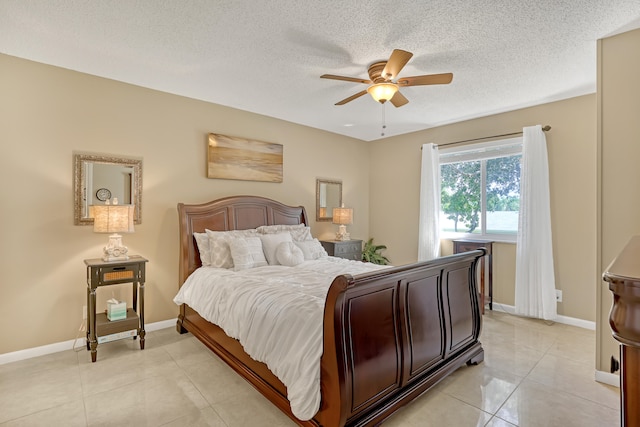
column 47, row 113
column 394, row 200
column 619, row 145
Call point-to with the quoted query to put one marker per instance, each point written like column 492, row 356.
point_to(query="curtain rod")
column 545, row 128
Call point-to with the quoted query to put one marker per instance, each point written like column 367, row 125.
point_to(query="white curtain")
column 429, row 225
column 535, row 280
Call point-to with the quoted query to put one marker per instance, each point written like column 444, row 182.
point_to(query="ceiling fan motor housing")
column 375, row 72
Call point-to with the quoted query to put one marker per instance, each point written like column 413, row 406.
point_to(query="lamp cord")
column 80, row 330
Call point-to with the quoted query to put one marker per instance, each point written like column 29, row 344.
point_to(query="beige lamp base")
column 115, row 250
column 342, row 233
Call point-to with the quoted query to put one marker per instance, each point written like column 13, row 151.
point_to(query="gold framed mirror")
column 328, row 196
column 97, row 178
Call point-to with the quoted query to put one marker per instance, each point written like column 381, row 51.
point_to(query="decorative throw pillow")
column 312, row 249
column 246, row 253
column 289, row 254
column 299, row 232
column 220, row 254
column 202, row 240
column 270, row 243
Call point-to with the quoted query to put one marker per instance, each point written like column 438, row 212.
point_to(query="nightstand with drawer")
column 104, row 273
column 349, row 249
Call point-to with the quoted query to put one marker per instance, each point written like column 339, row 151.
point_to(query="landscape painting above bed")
column 230, row 157
column 380, row 336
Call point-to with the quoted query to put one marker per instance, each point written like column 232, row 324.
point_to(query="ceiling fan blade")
column 396, row 62
column 346, row 79
column 351, row 98
column 398, row 100
column 429, row 79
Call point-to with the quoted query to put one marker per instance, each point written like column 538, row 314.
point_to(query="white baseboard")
column 572, row 321
column 163, row 324
column 608, row 378
column 68, row 345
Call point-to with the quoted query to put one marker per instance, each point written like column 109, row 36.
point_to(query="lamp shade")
column 113, row 218
column 342, row 216
column 382, row 92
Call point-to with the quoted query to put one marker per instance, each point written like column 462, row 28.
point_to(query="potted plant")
column 371, row 253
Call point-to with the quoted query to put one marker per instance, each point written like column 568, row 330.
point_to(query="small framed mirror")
column 97, row 178
column 328, row 196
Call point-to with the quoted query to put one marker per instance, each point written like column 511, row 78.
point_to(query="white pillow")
column 299, row 232
column 312, row 249
column 202, row 240
column 246, row 253
column 270, row 243
column 220, row 255
column 289, row 254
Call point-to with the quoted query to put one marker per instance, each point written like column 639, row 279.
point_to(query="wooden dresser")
column 623, row 276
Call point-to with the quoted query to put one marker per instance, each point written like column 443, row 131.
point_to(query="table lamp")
column 342, row 216
column 113, row 218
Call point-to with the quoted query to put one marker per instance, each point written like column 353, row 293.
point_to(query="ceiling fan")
column 384, row 81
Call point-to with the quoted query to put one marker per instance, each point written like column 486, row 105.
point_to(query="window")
column 480, row 190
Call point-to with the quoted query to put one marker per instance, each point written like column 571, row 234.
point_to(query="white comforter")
column 276, row 313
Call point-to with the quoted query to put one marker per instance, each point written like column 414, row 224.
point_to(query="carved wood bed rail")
column 389, row 335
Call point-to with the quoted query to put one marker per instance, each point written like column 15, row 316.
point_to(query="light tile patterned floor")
column 534, row 374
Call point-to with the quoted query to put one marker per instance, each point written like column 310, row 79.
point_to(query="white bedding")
column 276, row 313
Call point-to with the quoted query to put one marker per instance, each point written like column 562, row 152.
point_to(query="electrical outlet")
column 84, row 312
column 558, row 295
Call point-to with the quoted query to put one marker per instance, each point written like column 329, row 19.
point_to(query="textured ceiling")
column 266, row 56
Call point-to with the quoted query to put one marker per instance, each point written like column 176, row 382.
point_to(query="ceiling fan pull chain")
column 384, row 121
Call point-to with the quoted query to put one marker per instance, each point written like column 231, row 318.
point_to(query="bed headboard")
column 229, row 213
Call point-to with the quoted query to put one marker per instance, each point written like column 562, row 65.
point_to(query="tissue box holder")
column 116, row 310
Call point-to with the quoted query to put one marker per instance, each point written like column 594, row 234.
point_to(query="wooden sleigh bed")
column 389, row 335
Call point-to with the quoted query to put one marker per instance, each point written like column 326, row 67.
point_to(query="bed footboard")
column 391, row 335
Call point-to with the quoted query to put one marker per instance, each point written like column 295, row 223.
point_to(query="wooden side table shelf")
column 105, row 273
column 466, row 245
column 349, row 249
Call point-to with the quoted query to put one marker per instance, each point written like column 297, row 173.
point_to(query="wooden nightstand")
column 104, row 273
column 349, row 249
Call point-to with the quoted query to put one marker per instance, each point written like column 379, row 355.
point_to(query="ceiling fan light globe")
column 382, row 92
